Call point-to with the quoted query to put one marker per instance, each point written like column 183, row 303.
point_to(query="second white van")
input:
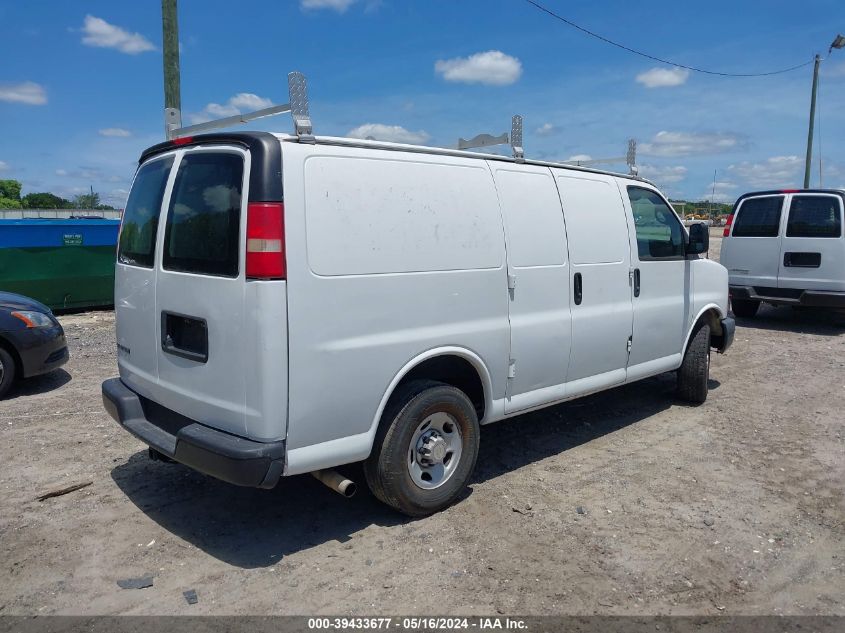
column 288, row 305
column 786, row 248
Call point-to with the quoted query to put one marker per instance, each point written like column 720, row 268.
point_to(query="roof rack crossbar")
column 229, row 121
column 483, row 140
column 629, row 159
column 297, row 106
column 487, row 140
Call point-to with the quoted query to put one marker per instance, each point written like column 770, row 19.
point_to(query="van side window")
column 659, row 232
column 203, row 219
column 814, row 216
column 140, row 218
column 758, row 217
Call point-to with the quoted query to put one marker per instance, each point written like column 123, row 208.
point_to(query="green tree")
column 44, row 200
column 10, row 194
column 9, row 203
column 87, row 200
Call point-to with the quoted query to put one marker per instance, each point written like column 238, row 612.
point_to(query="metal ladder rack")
column 299, row 110
column 487, row 140
column 297, row 106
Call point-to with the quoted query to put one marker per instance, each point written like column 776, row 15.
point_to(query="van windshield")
column 203, row 218
column 140, row 218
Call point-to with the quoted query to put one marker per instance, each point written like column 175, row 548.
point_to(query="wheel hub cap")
column 432, row 449
column 435, row 451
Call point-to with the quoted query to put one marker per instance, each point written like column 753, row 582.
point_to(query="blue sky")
column 81, row 94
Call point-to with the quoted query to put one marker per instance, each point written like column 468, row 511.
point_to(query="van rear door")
column 751, row 253
column 201, row 307
column 135, row 275
column 200, row 289
column 812, row 253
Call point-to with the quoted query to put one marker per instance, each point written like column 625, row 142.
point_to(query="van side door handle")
column 636, row 282
column 578, row 288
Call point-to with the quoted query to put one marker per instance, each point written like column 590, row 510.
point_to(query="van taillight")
column 265, row 241
column 728, row 223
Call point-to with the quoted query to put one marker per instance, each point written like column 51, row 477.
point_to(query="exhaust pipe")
column 336, row 482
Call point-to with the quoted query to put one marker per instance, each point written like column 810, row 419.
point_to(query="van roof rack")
column 299, row 110
column 486, row 140
column 629, row 159
column 297, row 106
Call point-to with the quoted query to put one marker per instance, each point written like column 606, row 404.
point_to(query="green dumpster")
column 65, row 263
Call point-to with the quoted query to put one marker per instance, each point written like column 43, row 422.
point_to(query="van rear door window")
column 758, row 217
column 140, row 218
column 203, row 218
column 814, row 216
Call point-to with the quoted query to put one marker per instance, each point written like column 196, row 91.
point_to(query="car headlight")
column 34, row 319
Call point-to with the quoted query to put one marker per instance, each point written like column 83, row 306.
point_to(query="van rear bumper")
column 790, row 296
column 231, row 458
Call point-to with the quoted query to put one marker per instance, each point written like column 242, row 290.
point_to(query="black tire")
column 695, row 368
column 387, row 471
column 7, row 372
column 745, row 308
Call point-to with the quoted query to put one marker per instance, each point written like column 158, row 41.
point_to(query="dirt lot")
column 734, row 507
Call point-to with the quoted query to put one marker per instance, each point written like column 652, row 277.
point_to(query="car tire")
column 425, row 450
column 745, row 308
column 7, row 372
column 694, row 373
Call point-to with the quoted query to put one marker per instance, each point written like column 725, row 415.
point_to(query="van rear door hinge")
column 511, row 281
column 512, row 368
column 629, row 344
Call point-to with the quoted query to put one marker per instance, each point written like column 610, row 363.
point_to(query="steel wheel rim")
column 435, row 450
column 2, row 370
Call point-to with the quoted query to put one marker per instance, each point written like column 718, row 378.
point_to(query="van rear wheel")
column 425, row 450
column 694, row 373
column 745, row 308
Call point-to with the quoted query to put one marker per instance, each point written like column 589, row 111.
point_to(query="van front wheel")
column 425, row 451
column 694, row 372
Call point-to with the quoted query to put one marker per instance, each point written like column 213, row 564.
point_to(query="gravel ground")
column 627, row 502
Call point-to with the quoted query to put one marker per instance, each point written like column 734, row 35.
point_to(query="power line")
column 659, row 59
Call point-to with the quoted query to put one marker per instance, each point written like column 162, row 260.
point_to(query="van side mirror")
column 699, row 239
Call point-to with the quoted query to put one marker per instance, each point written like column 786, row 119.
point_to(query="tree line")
column 10, row 198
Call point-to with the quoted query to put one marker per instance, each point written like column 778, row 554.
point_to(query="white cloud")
column 61, row 172
column 115, row 131
column 97, row 32
column 3, row 165
column 27, row 92
column 547, row 129
column 725, row 191
column 243, row 101
column 335, row 5
column 663, row 77
column 492, row 67
column 777, row 171
column 691, row 143
column 663, row 174
column 578, row 158
column 393, row 133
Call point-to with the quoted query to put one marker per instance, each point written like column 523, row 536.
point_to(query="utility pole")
column 809, row 159
column 170, row 45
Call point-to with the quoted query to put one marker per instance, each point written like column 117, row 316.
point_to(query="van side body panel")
column 389, row 255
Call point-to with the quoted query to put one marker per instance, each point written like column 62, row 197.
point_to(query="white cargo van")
column 287, row 304
column 786, row 248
